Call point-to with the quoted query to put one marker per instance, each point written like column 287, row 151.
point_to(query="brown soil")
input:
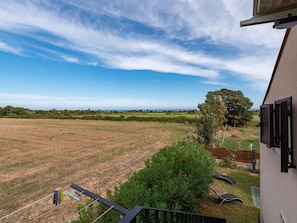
column 36, row 156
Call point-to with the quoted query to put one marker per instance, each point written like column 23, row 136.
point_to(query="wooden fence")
column 243, row 156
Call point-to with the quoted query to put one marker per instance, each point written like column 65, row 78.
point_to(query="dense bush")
column 175, row 178
column 204, row 130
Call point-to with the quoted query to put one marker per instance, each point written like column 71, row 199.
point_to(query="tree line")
column 220, row 107
column 113, row 115
column 11, row 111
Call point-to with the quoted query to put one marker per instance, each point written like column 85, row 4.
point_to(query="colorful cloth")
column 56, row 197
column 61, row 195
column 72, row 195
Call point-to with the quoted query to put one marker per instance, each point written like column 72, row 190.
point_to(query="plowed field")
column 36, row 156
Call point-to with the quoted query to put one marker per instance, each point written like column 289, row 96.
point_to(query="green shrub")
column 229, row 161
column 204, row 130
column 86, row 212
column 175, row 178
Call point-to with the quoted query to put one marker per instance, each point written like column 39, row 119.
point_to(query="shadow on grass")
column 234, row 212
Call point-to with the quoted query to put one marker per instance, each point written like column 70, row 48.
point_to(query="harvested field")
column 36, row 156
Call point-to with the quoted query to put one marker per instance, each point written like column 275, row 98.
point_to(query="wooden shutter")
column 284, row 136
column 277, row 124
column 266, row 124
column 283, row 131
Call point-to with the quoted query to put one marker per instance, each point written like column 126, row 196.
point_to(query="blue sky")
column 147, row 54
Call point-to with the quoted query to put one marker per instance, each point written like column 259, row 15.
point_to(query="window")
column 276, row 129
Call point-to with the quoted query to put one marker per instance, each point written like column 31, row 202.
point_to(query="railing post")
column 156, row 216
column 171, row 216
column 147, row 215
column 165, row 217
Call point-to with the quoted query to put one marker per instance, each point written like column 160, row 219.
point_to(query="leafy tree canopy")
column 238, row 106
column 214, row 106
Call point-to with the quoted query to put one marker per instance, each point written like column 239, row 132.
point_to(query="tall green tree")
column 204, row 128
column 214, row 106
column 212, row 116
column 238, row 106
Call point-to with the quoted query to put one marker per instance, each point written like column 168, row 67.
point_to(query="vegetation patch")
column 238, row 138
column 175, row 178
column 183, row 116
column 234, row 212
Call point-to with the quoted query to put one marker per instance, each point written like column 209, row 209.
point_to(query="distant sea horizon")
column 153, row 110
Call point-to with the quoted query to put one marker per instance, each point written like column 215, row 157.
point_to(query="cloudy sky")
column 149, row 54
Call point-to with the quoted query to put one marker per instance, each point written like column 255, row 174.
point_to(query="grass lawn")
column 234, row 212
column 239, row 138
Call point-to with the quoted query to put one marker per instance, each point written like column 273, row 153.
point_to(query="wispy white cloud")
column 218, row 83
column 83, row 27
column 164, row 64
column 10, row 49
column 70, row 59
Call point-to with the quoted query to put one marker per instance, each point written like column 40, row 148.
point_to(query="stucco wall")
column 279, row 190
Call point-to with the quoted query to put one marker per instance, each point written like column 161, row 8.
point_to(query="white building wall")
column 279, row 190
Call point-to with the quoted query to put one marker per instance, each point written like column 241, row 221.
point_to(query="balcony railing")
column 149, row 214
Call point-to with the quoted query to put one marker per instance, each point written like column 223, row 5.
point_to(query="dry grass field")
column 36, row 156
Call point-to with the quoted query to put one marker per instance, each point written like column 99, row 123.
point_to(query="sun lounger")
column 227, row 197
column 225, row 177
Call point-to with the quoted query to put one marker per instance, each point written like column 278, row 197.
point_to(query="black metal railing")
column 151, row 215
column 155, row 215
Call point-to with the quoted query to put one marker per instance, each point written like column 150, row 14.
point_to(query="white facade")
column 279, row 190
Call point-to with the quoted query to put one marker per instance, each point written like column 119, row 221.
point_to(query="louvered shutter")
column 284, row 137
column 266, row 124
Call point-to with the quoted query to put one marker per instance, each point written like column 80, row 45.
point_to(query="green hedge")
column 175, row 178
